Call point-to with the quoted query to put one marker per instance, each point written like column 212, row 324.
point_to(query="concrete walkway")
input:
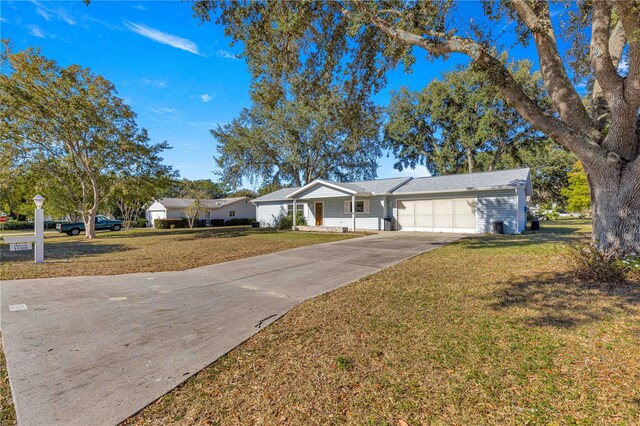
column 95, row 350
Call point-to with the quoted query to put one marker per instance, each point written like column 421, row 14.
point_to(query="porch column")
column 294, row 213
column 353, row 212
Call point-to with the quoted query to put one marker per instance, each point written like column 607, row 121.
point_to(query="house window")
column 207, row 215
column 232, row 213
column 299, row 209
column 359, row 206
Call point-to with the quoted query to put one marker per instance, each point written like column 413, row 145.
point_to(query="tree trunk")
column 615, row 207
column 90, row 224
column 90, row 217
column 470, row 159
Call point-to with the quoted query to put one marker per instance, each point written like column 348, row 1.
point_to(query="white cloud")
column 140, row 7
column 65, row 17
column 225, row 54
column 160, row 84
column 163, row 111
column 44, row 14
column 205, row 98
column 59, row 13
column 36, row 31
column 163, row 38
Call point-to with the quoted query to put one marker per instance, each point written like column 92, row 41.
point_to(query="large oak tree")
column 366, row 38
column 68, row 125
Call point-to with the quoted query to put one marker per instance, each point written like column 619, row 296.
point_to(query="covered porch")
column 337, row 206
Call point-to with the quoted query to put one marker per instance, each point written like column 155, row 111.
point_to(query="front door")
column 319, row 214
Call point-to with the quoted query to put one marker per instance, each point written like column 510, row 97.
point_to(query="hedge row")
column 138, row 223
column 184, row 223
column 16, row 225
column 170, row 223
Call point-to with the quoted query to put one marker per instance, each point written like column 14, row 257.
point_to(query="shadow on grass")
column 186, row 232
column 560, row 300
column 62, row 251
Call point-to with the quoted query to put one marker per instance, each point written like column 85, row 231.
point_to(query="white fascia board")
column 470, row 189
column 322, row 182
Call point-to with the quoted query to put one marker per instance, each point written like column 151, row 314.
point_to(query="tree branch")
column 602, row 63
column 629, row 12
column 574, row 139
column 563, row 94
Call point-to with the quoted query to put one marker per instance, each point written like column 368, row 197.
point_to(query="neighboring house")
column 221, row 208
column 468, row 203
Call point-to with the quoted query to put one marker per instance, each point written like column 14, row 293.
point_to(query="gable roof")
column 483, row 180
column 278, row 195
column 180, row 203
column 406, row 185
column 369, row 187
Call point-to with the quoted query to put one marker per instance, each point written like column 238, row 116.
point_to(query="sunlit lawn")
column 150, row 250
column 490, row 330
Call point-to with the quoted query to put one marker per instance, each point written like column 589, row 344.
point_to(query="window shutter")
column 367, row 206
column 347, row 207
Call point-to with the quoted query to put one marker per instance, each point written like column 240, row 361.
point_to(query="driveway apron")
column 95, row 350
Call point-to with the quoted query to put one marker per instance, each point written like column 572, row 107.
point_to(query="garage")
column 438, row 215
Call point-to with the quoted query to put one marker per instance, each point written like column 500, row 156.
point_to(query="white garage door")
column 448, row 215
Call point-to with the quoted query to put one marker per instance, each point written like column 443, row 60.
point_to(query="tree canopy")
column 577, row 192
column 354, row 43
column 68, row 126
column 460, row 123
column 294, row 141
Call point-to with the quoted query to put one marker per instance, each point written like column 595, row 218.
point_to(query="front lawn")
column 489, row 330
column 150, row 250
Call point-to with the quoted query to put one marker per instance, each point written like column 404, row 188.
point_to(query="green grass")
column 490, row 330
column 151, row 250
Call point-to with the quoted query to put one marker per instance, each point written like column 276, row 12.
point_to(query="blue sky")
column 179, row 76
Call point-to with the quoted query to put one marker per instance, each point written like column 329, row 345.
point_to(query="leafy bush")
column 141, row 223
column 286, row 221
column 548, row 212
column 237, row 222
column 217, row 222
column 590, row 264
column 16, row 225
column 166, row 223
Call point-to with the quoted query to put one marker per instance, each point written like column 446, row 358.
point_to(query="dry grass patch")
column 151, row 250
column 490, row 330
column 7, row 411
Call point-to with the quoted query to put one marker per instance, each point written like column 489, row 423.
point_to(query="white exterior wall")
column 244, row 209
column 498, row 205
column 321, row 191
column 491, row 206
column 522, row 204
column 175, row 214
column 334, row 214
column 155, row 211
column 268, row 211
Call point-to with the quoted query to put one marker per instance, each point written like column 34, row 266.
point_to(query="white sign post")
column 39, row 229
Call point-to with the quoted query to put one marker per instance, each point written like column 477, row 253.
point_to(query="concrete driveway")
column 95, row 350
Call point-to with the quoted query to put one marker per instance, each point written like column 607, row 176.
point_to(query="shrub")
column 590, row 264
column 286, row 221
column 170, row 223
column 16, row 225
column 548, row 212
column 217, row 222
column 237, row 222
column 141, row 223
